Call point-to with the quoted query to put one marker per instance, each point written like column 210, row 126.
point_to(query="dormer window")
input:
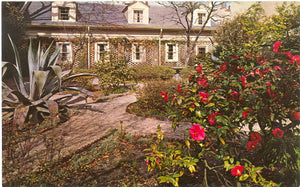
column 63, row 13
column 138, row 16
column 201, row 18
column 137, row 13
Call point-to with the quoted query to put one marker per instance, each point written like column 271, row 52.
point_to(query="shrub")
column 149, row 97
column 251, row 92
column 146, row 73
column 113, row 71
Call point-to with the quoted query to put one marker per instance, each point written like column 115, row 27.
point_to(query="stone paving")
column 94, row 120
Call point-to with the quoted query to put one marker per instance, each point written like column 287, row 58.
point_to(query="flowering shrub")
column 246, row 110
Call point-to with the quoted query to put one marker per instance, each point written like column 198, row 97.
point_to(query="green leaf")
column 243, row 177
column 40, row 80
column 187, row 143
column 210, row 105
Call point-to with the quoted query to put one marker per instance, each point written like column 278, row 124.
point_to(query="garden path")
column 92, row 123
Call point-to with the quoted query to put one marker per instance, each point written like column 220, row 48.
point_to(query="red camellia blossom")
column 295, row 116
column 244, row 80
column 197, row 132
column 237, row 170
column 234, row 95
column 223, row 67
column 271, row 93
column 199, row 68
column 289, row 54
column 211, row 117
column 278, row 133
column 251, row 145
column 203, row 96
column 246, row 113
column 179, row 88
column 276, row 46
column 255, row 137
column 296, row 59
column 164, row 95
column 202, row 82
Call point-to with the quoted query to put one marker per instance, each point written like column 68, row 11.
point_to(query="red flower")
column 295, row 116
column 278, row 133
column 234, row 95
column 223, row 67
column 192, row 106
column 237, row 170
column 179, row 88
column 255, row 137
column 202, row 82
column 296, row 59
column 289, row 54
column 244, row 80
column 271, row 93
column 199, row 68
column 203, row 96
column 164, row 95
column 277, row 68
column 197, row 132
column 268, row 83
column 191, row 76
column 211, row 117
column 276, row 46
column 251, row 145
column 246, row 113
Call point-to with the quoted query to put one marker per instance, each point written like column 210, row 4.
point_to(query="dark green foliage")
column 142, row 73
column 113, row 71
column 149, row 97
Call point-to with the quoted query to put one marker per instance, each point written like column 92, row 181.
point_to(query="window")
column 63, row 13
column 201, row 18
column 65, row 51
column 101, row 50
column 171, row 52
column 138, row 16
column 201, row 51
column 137, row 52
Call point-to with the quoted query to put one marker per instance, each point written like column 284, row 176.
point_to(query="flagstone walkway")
column 92, row 122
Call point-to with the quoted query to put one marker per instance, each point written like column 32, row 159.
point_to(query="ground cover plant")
column 117, row 159
column 245, row 114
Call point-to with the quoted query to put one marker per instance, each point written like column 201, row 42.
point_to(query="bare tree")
column 184, row 16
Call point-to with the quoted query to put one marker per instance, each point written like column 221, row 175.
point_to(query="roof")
column 105, row 14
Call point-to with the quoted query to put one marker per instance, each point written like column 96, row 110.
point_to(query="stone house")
column 144, row 34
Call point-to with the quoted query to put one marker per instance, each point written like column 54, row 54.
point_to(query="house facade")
column 144, row 34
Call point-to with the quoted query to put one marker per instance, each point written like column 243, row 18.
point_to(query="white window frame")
column 141, row 19
column 196, row 17
column 56, row 11
column 203, row 18
column 175, row 52
column 141, row 52
column 97, row 49
column 69, row 51
column 201, row 46
column 60, row 17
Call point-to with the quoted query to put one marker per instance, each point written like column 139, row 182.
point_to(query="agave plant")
column 30, row 100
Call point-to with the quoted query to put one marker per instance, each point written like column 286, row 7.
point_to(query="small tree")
column 184, row 16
